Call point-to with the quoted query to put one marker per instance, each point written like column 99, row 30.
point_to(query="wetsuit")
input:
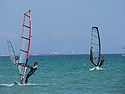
column 91, row 57
column 32, row 70
column 17, row 62
column 101, row 62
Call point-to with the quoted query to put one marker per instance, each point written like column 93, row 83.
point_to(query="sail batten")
column 25, row 38
column 94, row 35
column 26, row 26
column 23, row 51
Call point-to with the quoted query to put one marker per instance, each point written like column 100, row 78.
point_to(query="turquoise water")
column 66, row 74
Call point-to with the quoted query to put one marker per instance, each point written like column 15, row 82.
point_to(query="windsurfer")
column 32, row 70
column 16, row 60
column 101, row 61
column 91, row 56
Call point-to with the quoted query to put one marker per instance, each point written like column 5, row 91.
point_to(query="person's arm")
column 24, row 65
column 30, row 67
column 35, row 67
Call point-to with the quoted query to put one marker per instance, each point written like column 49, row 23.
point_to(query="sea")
column 65, row 74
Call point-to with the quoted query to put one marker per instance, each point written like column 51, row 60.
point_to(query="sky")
column 63, row 25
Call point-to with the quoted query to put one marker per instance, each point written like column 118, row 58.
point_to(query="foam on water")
column 29, row 84
column 7, row 85
column 12, row 84
column 96, row 68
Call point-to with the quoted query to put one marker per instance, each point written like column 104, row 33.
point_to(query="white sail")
column 25, row 45
column 11, row 52
column 95, row 45
column 123, row 53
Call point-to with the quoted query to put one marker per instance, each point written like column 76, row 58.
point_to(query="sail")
column 123, row 53
column 11, row 52
column 25, row 45
column 95, row 45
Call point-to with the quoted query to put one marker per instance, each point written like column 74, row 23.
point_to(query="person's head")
column 16, row 57
column 102, row 57
column 35, row 63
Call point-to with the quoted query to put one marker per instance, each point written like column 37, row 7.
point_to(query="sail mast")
column 99, row 46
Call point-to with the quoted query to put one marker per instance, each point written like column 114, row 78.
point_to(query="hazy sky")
column 64, row 25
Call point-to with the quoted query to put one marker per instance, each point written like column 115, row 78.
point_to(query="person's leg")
column 28, row 75
column 26, row 79
column 101, row 64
